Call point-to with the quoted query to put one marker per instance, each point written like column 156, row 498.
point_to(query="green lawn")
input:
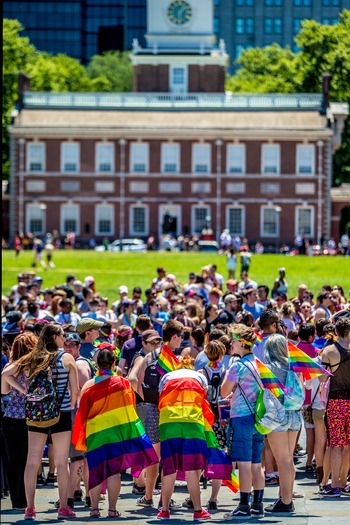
column 113, row 269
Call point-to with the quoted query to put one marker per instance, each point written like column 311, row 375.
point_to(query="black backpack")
column 151, row 380
column 214, row 378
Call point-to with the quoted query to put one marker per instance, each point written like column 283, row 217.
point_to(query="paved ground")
column 309, row 510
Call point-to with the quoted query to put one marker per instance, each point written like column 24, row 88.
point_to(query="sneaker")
column 271, row 481
column 64, row 513
column 345, row 491
column 330, row 492
column 257, row 510
column 30, row 513
column 40, row 481
column 51, row 479
column 172, row 505
column 163, row 515
column 78, row 495
column 202, row 515
column 299, row 453
column 280, row 507
column 212, row 505
column 143, row 502
column 240, row 512
column 188, row 503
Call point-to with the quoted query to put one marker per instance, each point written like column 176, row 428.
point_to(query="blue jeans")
column 244, row 442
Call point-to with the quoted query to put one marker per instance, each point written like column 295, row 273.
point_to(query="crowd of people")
column 119, row 410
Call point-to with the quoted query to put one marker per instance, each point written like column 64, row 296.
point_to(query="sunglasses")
column 70, row 345
column 153, row 343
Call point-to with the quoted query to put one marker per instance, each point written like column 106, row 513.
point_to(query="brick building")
column 174, row 156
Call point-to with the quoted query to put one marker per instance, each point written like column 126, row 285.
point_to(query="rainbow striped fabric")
column 187, row 440
column 167, row 361
column 108, row 428
column 233, row 483
column 259, row 338
column 302, row 363
column 269, row 380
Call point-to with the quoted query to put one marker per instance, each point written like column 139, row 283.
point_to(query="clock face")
column 179, row 12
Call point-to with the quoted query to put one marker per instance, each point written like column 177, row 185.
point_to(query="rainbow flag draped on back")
column 269, row 380
column 302, row 363
column 259, row 338
column 187, row 440
column 167, row 361
column 108, row 428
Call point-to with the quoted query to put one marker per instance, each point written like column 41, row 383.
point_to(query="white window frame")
column 139, row 155
column 98, row 209
column 266, row 163
column 175, row 87
column 298, row 209
column 175, row 162
column 133, row 231
column 201, row 158
column 243, row 224
column 236, row 164
column 310, row 148
column 99, row 161
column 64, row 160
column 31, row 146
column 63, row 217
column 268, row 234
column 36, row 211
column 193, row 216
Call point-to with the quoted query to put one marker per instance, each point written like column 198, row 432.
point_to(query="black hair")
column 105, row 358
column 305, row 331
column 215, row 334
column 267, row 318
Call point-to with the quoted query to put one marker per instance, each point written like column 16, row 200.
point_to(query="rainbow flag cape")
column 167, row 361
column 259, row 338
column 233, row 483
column 269, row 380
column 187, row 440
column 108, row 428
column 302, row 363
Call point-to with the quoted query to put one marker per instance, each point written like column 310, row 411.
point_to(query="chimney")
column 23, row 85
column 326, row 83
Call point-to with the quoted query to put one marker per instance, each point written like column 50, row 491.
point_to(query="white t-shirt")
column 182, row 373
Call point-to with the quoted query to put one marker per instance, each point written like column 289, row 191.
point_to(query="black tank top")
column 340, row 380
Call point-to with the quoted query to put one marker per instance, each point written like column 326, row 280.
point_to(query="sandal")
column 309, row 468
column 113, row 513
column 95, row 513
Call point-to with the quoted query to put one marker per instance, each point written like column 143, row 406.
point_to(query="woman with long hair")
column 48, row 353
column 211, row 312
column 282, row 440
column 14, row 423
column 244, row 442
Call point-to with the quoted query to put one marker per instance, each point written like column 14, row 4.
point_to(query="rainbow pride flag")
column 302, row 363
column 187, row 440
column 233, row 483
column 269, row 380
column 167, row 361
column 259, row 338
column 108, row 428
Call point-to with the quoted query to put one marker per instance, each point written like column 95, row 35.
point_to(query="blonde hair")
column 243, row 333
column 186, row 361
column 215, row 350
column 287, row 309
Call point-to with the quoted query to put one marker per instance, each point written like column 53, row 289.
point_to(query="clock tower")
column 181, row 54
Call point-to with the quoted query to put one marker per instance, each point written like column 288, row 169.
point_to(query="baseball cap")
column 230, row 297
column 12, row 318
column 150, row 335
column 232, row 282
column 88, row 324
column 72, row 336
column 123, row 289
column 37, row 279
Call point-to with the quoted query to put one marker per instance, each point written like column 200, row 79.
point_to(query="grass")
column 113, row 269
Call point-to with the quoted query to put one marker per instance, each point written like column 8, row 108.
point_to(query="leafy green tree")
column 341, row 158
column 115, row 67
column 17, row 50
column 271, row 69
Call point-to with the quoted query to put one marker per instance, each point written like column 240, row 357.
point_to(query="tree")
column 271, row 69
column 115, row 67
column 341, row 158
column 17, row 50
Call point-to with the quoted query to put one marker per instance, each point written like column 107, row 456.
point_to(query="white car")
column 125, row 245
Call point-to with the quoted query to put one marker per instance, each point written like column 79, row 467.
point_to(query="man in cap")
column 226, row 316
column 231, row 286
column 123, row 295
column 88, row 330
column 12, row 327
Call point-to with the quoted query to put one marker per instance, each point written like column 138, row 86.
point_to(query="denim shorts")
column 292, row 421
column 244, row 442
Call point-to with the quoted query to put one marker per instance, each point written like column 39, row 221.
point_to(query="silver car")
column 125, row 245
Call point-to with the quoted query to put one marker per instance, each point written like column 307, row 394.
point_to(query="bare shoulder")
column 330, row 354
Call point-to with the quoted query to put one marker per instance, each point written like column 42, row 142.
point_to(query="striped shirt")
column 60, row 377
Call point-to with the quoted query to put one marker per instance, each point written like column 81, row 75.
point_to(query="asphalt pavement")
column 311, row 509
